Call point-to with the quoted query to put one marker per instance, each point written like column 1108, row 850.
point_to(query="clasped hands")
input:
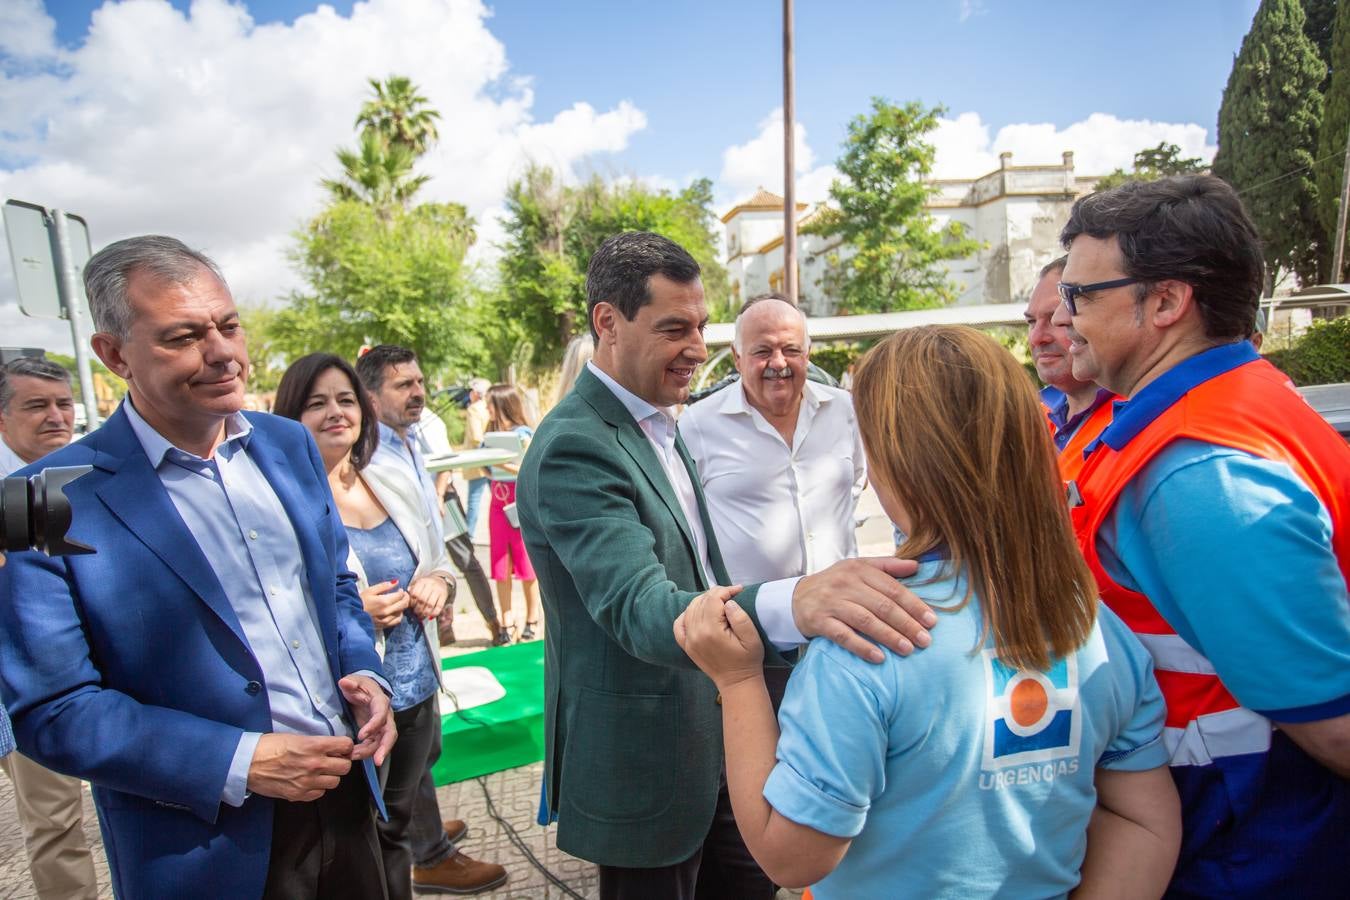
column 849, row 603
column 386, row 603
column 302, row 767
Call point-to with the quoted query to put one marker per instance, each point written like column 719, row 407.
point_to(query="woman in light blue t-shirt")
column 1020, row 755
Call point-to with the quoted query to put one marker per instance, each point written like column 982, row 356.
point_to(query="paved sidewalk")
column 513, row 794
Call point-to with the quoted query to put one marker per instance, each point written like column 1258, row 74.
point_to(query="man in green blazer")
column 616, row 525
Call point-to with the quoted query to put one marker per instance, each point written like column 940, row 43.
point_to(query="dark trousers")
column 460, row 550
column 417, row 749
column 427, row 832
column 327, row 848
column 722, row 869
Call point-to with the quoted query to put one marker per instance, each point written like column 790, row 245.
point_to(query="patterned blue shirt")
column 408, row 665
column 6, row 733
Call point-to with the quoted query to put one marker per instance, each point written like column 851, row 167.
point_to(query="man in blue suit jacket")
column 209, row 669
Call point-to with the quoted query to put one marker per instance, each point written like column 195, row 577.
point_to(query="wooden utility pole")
column 1340, row 216
column 789, row 168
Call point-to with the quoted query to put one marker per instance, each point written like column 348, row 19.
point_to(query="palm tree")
column 378, row 172
column 399, row 114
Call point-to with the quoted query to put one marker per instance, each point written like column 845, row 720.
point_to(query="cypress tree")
column 1332, row 137
column 1268, row 124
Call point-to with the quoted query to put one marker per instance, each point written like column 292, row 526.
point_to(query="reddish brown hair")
column 954, row 430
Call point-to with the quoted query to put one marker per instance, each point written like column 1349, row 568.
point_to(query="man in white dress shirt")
column 37, row 416
column 779, row 457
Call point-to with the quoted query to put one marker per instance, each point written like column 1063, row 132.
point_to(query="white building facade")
column 1015, row 212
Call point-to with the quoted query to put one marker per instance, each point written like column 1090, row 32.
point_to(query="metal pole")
column 70, row 301
column 789, row 167
column 1340, row 216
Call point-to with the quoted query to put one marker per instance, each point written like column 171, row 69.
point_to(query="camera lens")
column 35, row 514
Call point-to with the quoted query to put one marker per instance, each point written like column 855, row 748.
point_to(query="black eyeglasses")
column 1069, row 293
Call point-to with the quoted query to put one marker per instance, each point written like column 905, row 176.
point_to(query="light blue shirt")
column 773, row 603
column 395, row 451
column 921, row 761
column 246, row 535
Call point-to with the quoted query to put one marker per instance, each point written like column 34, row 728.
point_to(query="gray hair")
column 1055, row 265
column 480, row 385
column 28, row 367
column 108, row 271
column 755, row 301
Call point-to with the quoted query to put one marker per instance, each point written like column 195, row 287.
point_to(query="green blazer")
column 632, row 729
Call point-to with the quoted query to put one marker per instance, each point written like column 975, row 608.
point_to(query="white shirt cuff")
column 773, row 605
column 236, row 783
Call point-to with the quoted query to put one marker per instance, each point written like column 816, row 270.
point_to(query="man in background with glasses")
column 1214, row 511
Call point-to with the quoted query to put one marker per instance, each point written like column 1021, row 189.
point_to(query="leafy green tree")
column 372, row 279
column 1268, row 126
column 552, row 230
column 1331, row 140
column 1319, row 17
column 895, row 247
column 1152, row 164
column 400, row 115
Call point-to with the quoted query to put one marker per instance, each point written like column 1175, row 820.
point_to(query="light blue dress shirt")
column 245, row 533
column 394, row 450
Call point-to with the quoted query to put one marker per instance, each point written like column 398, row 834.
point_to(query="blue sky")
column 215, row 120
column 704, row 72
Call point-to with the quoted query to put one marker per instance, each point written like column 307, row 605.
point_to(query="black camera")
column 35, row 514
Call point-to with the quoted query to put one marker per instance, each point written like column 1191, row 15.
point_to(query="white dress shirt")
column 10, row 462
column 774, row 602
column 777, row 510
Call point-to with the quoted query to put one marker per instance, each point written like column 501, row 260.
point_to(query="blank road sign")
column 32, row 242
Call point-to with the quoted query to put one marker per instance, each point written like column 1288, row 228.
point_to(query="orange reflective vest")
column 1071, row 457
column 1212, row 739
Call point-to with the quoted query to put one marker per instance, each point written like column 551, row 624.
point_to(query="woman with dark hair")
column 1020, row 754
column 506, row 546
column 401, row 569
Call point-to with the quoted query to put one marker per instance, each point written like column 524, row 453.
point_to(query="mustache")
column 770, row 373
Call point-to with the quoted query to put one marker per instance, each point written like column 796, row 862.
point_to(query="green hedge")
column 1321, row 355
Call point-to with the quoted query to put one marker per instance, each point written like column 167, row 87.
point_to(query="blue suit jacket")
column 129, row 667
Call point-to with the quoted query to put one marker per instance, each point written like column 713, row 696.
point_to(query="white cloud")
column 759, row 163
column 1100, row 143
column 964, row 149
column 26, row 31
column 968, row 8
column 217, row 130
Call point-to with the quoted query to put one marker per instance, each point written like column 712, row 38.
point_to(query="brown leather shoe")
column 458, row 874
column 454, row 829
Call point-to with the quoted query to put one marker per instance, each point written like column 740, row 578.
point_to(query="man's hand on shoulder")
column 298, row 767
column 857, row 597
